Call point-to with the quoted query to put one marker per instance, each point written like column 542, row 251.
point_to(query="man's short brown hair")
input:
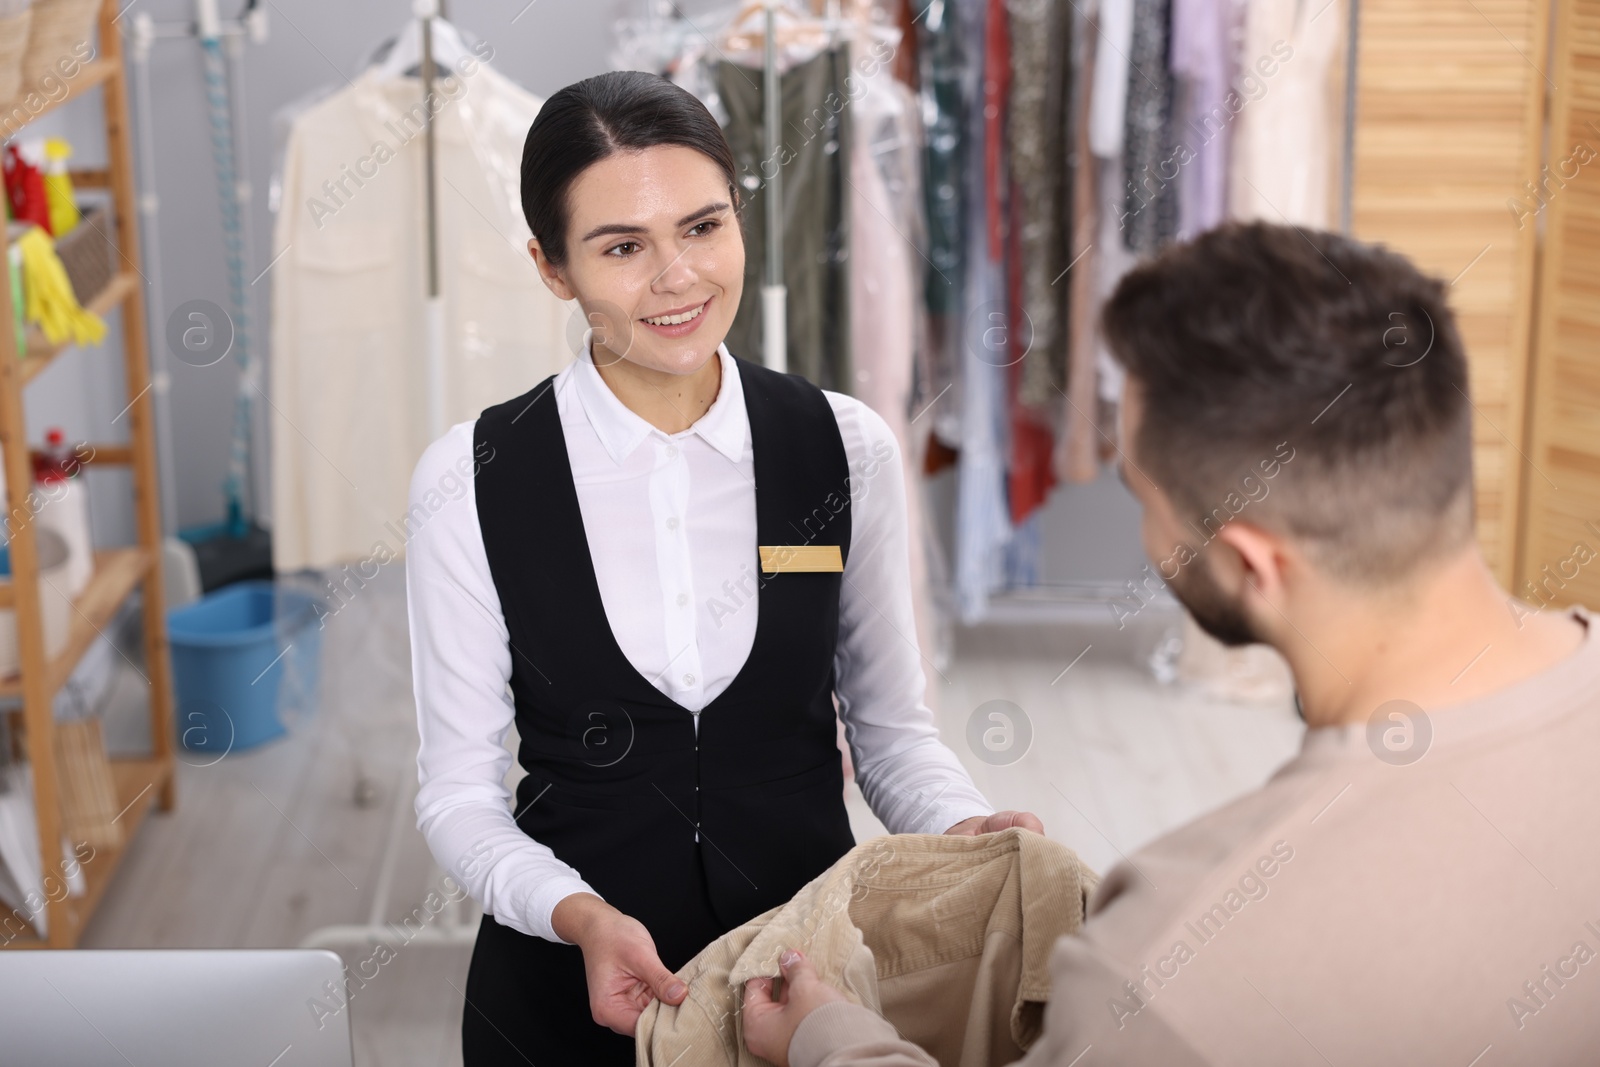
column 1255, row 336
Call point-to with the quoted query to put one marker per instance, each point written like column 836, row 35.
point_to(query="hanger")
column 821, row 27
column 405, row 58
column 796, row 27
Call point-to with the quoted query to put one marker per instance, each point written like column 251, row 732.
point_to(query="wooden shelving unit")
column 140, row 781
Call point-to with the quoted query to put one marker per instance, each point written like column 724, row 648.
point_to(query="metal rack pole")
column 433, row 309
column 1347, row 167
column 774, row 295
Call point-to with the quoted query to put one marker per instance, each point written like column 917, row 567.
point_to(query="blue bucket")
column 239, row 654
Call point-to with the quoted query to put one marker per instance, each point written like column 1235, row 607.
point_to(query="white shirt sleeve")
column 460, row 666
column 913, row 783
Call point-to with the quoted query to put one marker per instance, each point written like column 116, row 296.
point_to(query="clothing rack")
column 456, row 927
column 1084, row 598
column 1105, row 555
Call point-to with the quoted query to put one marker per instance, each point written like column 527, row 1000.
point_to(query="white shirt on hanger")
column 670, row 519
column 348, row 373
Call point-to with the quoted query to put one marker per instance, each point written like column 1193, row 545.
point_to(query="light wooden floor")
column 267, row 847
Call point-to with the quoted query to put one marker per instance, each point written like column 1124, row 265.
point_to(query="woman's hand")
column 1000, row 820
column 769, row 1024
column 619, row 960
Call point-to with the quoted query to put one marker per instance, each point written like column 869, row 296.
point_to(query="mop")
column 235, row 548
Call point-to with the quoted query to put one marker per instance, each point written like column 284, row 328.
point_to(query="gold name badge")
column 785, row 558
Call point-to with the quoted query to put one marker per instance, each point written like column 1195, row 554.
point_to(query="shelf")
column 90, row 75
column 116, row 572
column 41, row 352
column 138, row 781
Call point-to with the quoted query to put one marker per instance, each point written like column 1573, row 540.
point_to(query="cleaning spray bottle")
column 58, row 187
column 58, row 475
column 25, row 185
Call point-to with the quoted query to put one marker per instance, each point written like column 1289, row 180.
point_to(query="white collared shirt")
column 670, row 519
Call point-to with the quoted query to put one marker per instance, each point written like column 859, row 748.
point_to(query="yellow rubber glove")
column 48, row 295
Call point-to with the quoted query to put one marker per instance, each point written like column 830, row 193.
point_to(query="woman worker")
column 669, row 563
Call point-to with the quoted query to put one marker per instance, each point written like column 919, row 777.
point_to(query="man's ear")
column 548, row 273
column 1255, row 568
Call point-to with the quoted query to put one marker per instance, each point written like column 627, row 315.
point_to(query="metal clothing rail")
column 454, row 927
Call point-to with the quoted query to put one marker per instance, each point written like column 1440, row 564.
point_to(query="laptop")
column 174, row 1007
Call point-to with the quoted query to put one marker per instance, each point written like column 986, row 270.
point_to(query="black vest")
column 665, row 824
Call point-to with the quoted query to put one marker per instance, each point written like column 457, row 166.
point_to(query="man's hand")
column 1000, row 820
column 619, row 960
column 769, row 1024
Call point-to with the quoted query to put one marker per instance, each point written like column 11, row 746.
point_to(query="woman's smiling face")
column 654, row 256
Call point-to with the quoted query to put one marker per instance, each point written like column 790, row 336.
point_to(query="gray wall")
column 543, row 45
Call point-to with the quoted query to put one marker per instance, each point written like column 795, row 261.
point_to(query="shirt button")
column 672, row 451
column 688, row 679
column 683, row 598
column 672, row 523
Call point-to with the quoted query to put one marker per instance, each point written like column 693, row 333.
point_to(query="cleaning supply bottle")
column 58, row 187
column 56, row 459
column 25, row 186
column 58, row 477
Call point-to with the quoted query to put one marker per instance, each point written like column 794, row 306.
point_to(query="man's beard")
column 1197, row 590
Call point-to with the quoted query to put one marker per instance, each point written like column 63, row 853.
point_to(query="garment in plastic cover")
column 351, row 386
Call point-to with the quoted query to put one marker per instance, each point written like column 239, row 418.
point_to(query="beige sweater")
column 950, row 937
column 1353, row 911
